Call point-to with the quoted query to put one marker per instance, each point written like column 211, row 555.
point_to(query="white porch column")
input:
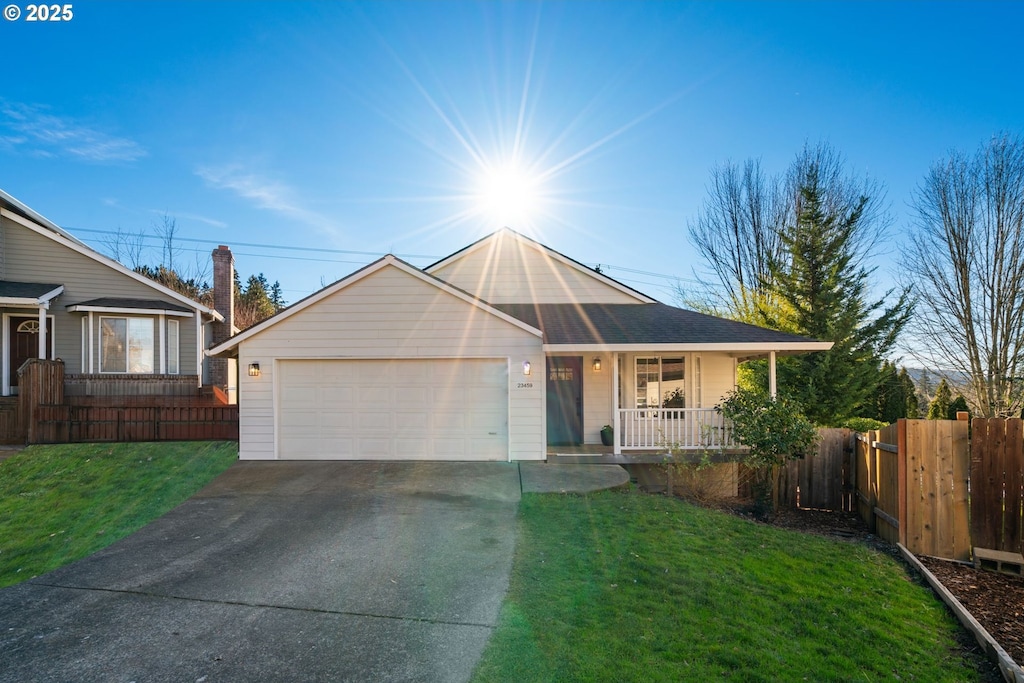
column 42, row 330
column 773, row 388
column 616, row 437
column 162, row 334
column 92, row 348
column 200, row 346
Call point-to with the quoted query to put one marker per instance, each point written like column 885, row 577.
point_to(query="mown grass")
column 61, row 503
column 631, row 587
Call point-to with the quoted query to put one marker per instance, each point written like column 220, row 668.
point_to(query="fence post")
column 901, row 477
column 873, row 438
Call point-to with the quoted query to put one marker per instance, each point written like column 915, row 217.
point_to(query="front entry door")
column 24, row 344
column 565, row 400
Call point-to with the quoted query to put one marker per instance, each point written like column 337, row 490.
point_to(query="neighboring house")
column 497, row 352
column 111, row 326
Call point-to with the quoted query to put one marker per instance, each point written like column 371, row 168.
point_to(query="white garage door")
column 393, row 410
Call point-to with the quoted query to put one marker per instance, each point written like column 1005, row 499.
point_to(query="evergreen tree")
column 256, row 301
column 890, row 404
column 911, row 409
column 938, row 409
column 821, row 288
column 959, row 404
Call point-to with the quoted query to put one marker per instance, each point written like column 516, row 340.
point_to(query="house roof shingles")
column 24, row 290
column 145, row 304
column 655, row 323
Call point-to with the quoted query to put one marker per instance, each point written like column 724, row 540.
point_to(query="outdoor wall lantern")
column 527, row 368
column 254, row 369
column 597, row 364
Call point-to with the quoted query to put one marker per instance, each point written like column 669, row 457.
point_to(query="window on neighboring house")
column 172, row 347
column 660, row 382
column 127, row 345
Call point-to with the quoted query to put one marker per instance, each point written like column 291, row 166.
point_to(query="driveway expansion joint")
column 239, row 603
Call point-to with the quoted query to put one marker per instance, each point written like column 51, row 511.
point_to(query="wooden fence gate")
column 997, row 498
column 922, row 483
column 824, row 479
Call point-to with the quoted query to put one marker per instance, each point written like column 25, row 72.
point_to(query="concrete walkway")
column 291, row 571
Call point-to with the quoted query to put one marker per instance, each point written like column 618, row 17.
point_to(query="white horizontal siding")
column 391, row 314
column 509, row 270
column 719, row 377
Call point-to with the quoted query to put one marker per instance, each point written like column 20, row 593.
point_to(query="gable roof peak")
column 547, row 251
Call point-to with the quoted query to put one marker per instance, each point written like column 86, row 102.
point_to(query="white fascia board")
column 52, row 294
column 365, row 272
column 39, row 218
column 78, row 308
column 738, row 348
column 88, row 252
column 639, row 296
column 43, row 300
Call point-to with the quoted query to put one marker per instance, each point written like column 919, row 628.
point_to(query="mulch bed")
column 995, row 600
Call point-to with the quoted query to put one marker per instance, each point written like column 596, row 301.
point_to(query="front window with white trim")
column 173, row 350
column 127, row 345
column 660, row 381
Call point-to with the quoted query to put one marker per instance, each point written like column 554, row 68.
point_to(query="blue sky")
column 365, row 127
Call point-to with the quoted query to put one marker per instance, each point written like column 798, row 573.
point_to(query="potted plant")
column 607, row 435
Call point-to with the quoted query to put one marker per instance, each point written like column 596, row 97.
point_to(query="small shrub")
column 774, row 430
column 864, row 424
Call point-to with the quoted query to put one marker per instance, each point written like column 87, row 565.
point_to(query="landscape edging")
column 1011, row 671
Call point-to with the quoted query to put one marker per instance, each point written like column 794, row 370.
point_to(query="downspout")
column 773, row 389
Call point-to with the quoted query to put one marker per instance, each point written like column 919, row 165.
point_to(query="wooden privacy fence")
column 923, row 484
column 823, row 479
column 71, row 424
column 997, row 478
column 49, row 417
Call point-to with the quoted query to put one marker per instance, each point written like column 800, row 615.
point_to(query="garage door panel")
column 437, row 409
column 336, row 395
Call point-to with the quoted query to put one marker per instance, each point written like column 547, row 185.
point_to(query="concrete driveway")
column 283, row 572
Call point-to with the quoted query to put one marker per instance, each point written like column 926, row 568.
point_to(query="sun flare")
column 509, row 196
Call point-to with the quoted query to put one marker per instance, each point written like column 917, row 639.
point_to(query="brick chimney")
column 224, row 303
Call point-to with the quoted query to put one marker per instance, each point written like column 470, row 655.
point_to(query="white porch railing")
column 668, row 428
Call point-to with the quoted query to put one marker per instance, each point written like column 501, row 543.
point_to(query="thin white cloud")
column 36, row 131
column 191, row 217
column 263, row 193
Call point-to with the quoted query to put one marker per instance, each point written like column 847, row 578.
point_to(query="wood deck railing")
column 671, row 428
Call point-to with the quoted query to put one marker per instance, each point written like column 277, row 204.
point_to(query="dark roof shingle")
column 117, row 302
column 638, row 324
column 24, row 290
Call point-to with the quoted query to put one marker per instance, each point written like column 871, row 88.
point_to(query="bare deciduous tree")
column 126, row 247
column 966, row 259
column 738, row 230
column 166, row 231
column 738, row 233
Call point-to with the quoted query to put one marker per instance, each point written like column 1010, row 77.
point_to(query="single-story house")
column 497, row 352
column 59, row 298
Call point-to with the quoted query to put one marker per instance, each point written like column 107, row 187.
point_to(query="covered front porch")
column 658, row 402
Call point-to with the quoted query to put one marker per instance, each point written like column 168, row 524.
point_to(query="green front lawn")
column 631, row 587
column 61, row 503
